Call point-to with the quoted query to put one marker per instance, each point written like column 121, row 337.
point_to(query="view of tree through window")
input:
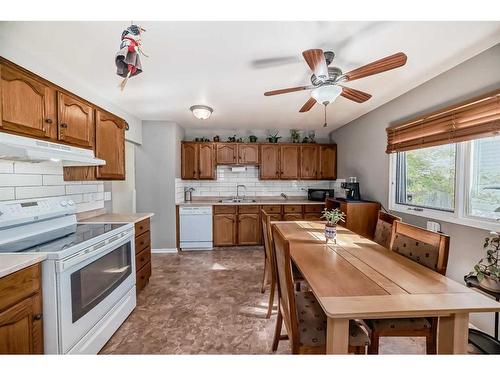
column 484, row 199
column 427, row 177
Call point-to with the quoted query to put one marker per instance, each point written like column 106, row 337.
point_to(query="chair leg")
column 374, row 342
column 277, row 330
column 264, row 276
column 271, row 299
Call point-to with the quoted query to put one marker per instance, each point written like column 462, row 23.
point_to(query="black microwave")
column 319, row 195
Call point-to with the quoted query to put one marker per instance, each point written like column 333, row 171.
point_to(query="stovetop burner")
column 69, row 236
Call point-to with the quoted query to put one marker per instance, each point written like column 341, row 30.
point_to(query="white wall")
column 124, row 197
column 362, row 143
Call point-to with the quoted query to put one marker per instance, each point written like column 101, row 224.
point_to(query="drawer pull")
column 48, row 121
column 38, row 317
column 64, row 126
column 142, row 277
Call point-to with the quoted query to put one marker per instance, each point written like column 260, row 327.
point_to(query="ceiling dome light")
column 201, row 112
column 326, row 94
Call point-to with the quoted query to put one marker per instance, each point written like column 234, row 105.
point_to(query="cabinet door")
column 76, row 121
column 110, row 146
column 269, row 162
column 328, row 162
column 20, row 328
column 206, row 162
column 248, row 154
column 224, row 230
column 248, row 229
column 309, row 162
column 189, row 161
column 289, row 162
column 312, row 216
column 27, row 106
column 292, row 217
column 227, row 153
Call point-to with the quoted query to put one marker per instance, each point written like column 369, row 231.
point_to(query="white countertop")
column 10, row 263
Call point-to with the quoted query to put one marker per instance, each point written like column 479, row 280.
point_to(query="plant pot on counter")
column 490, row 283
column 331, row 232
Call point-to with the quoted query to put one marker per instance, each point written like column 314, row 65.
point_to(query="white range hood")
column 14, row 147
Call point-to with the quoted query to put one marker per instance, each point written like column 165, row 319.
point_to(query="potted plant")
column 487, row 270
column 252, row 138
column 273, row 138
column 295, row 135
column 332, row 218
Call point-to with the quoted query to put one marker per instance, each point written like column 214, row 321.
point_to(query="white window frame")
column 462, row 189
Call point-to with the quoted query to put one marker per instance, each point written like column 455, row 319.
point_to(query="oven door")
column 92, row 287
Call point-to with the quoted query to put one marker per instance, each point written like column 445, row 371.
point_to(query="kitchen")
column 139, row 218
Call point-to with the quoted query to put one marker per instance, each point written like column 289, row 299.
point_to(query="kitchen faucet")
column 238, row 191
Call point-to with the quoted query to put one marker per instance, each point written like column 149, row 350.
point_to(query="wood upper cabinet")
column 309, row 159
column 224, row 229
column 248, row 154
column 110, row 145
column 206, row 161
column 75, row 121
column 289, row 162
column 269, row 162
column 189, row 160
column 328, row 162
column 28, row 105
column 248, row 229
column 227, row 153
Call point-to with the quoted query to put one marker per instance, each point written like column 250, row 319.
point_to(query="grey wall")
column 157, row 163
column 362, row 143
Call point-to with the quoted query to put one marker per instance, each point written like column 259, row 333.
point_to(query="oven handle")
column 95, row 250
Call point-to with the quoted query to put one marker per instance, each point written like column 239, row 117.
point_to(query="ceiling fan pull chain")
column 325, row 124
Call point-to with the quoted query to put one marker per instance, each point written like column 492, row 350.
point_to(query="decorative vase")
column 252, row 138
column 490, row 283
column 331, row 232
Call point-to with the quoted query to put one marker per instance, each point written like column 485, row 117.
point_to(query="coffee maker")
column 351, row 189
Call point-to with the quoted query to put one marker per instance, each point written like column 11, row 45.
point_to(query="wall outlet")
column 107, row 195
column 434, row 226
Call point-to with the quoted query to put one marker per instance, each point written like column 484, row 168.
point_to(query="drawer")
column 275, row 217
column 142, row 226
column 142, row 241
column 311, row 216
column 248, row 209
column 292, row 208
column 270, row 209
column 19, row 285
column 224, row 209
column 142, row 277
column 313, row 207
column 292, row 217
column 142, row 258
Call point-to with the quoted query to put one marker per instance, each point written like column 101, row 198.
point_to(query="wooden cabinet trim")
column 19, row 285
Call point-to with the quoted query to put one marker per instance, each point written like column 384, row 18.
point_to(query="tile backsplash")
column 19, row 181
column 225, row 185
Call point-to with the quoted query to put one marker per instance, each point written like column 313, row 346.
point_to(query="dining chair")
column 304, row 319
column 383, row 229
column 429, row 249
column 269, row 277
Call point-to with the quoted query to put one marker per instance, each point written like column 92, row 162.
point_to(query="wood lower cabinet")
column 27, row 105
column 313, row 212
column 292, row 217
column 361, row 216
column 269, row 162
column 328, row 162
column 198, row 161
column 289, row 162
column 225, row 229
column 75, row 121
column 249, row 231
column 21, row 319
column 142, row 254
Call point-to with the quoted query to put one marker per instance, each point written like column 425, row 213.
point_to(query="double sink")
column 237, row 200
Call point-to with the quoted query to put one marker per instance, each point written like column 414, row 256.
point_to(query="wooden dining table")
column 358, row 279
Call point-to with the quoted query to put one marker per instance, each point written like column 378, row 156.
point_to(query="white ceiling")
column 217, row 64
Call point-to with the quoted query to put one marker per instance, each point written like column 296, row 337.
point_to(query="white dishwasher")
column 196, row 228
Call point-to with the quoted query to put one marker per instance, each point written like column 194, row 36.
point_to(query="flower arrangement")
column 333, row 216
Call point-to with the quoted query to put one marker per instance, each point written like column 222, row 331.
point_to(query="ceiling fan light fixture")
column 326, row 94
column 201, row 112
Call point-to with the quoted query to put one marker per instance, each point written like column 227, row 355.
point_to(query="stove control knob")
column 71, row 203
column 63, row 203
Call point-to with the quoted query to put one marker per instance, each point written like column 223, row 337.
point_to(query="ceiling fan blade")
column 285, row 91
column 379, row 66
column 315, row 58
column 355, row 95
column 308, row 105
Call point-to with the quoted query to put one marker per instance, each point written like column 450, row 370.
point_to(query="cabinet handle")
column 48, row 120
column 64, row 126
column 38, row 317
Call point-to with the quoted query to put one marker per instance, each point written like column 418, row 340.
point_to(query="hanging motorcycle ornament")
column 128, row 61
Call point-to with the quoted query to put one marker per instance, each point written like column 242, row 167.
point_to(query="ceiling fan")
column 326, row 80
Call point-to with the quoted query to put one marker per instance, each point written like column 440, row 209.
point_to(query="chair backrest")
column 421, row 245
column 383, row 230
column 286, row 291
column 268, row 238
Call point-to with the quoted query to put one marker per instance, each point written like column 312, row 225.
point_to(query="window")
column 426, row 177
column 458, row 183
column 484, row 192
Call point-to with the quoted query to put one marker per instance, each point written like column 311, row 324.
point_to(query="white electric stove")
column 88, row 279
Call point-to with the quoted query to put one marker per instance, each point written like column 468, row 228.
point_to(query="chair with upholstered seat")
column 383, row 230
column 304, row 319
column 270, row 276
column 430, row 249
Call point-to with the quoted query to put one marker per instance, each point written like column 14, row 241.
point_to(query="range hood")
column 16, row 148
